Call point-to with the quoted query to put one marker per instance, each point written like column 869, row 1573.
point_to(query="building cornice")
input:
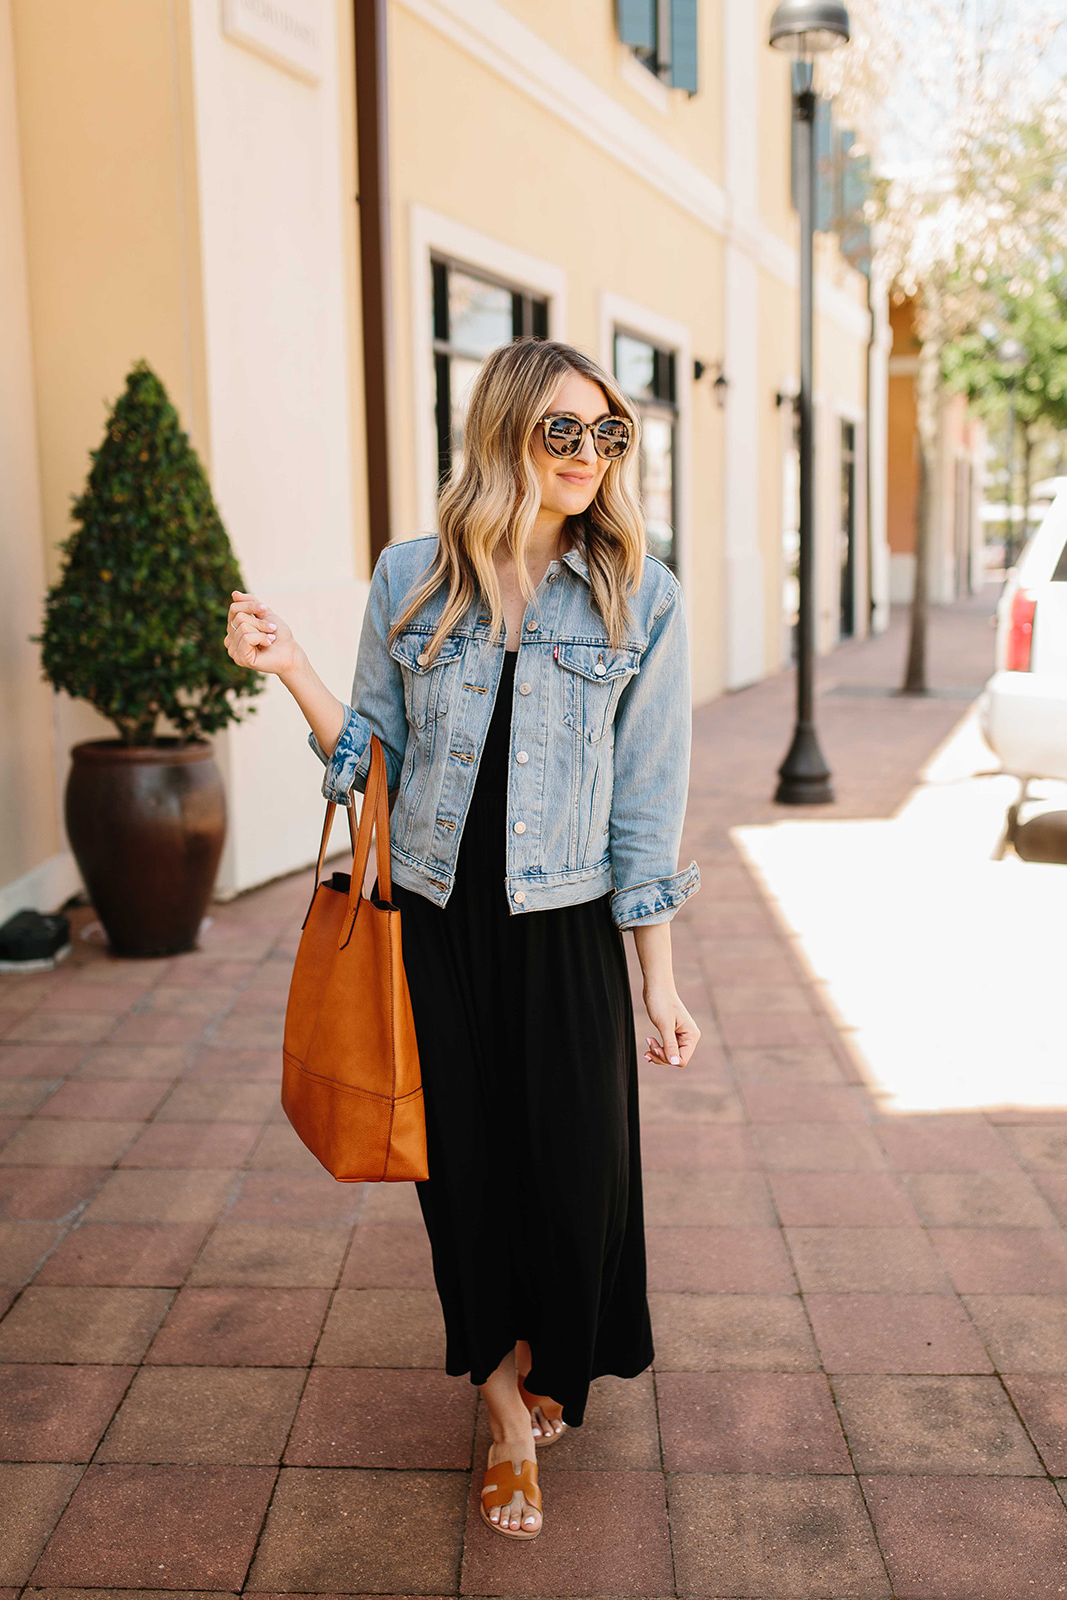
column 494, row 36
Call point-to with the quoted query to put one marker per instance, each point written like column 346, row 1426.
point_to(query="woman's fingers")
column 260, row 615
column 246, row 605
column 246, row 637
column 688, row 1035
column 680, row 1035
column 248, row 631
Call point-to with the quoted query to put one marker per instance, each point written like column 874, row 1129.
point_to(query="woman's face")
column 568, row 484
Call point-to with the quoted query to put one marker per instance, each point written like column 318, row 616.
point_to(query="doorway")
column 847, row 621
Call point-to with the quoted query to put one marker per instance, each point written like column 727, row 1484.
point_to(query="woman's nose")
column 587, row 452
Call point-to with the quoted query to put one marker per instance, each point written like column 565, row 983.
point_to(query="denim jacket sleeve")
column 377, row 703
column 653, row 730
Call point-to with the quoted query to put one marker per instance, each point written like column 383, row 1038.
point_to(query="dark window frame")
column 662, row 403
column 529, row 317
column 849, row 461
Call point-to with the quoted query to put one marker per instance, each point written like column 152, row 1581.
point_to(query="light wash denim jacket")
column 599, row 739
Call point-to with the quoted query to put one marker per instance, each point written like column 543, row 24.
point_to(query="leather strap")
column 326, row 826
column 373, row 816
column 502, row 1483
column 375, row 812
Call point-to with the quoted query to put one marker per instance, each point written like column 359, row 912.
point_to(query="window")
column 842, row 184
column 646, row 374
column 1060, row 573
column 472, row 315
column 663, row 36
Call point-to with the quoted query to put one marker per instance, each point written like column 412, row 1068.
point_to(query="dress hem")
column 619, row 1369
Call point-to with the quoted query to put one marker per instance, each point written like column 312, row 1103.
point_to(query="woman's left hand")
column 678, row 1032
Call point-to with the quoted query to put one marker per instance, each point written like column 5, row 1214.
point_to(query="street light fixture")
column 805, row 28
column 1012, row 356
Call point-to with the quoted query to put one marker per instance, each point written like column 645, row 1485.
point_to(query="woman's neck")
column 550, row 537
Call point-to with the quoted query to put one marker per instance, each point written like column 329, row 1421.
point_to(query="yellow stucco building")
column 180, row 181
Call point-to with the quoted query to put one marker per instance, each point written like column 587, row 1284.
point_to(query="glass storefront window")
column 635, row 366
column 646, row 373
column 479, row 314
column 472, row 316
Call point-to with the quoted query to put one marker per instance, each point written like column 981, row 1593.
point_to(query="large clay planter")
column 147, row 825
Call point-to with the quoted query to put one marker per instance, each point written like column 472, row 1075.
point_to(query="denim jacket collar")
column 575, row 560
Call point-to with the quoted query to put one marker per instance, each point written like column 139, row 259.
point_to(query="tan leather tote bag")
column 351, row 1085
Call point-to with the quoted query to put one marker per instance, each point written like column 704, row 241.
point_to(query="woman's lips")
column 575, row 477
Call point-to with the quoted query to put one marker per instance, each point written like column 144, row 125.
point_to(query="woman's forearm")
column 653, row 943
column 324, row 712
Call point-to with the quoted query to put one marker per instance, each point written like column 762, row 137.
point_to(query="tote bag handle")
column 374, row 815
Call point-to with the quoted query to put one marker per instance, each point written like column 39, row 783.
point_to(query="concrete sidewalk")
column 221, row 1371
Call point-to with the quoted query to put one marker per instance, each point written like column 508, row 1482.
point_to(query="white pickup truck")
column 1023, row 709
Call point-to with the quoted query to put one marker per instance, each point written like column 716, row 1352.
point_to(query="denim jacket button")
column 600, row 669
column 524, row 688
column 520, row 827
column 531, row 627
column 521, row 757
column 518, row 897
column 422, row 658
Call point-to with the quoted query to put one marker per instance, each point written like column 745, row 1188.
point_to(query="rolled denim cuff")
column 655, row 901
column 342, row 767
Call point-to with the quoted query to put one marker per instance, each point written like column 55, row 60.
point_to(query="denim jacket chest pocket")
column 428, row 685
column 590, row 679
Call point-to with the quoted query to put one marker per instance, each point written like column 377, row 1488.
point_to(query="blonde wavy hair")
column 494, row 494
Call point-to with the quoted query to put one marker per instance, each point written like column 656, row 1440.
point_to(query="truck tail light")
column 1020, row 630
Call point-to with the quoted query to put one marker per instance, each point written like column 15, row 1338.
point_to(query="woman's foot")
column 519, row 1515
column 512, row 1447
column 546, row 1416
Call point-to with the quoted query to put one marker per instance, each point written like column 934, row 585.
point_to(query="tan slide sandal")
column 501, row 1484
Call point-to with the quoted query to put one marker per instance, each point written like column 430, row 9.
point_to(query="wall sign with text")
column 287, row 32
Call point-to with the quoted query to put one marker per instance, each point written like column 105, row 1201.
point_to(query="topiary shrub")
column 135, row 624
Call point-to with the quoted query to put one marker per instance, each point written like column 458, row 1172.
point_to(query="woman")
column 527, row 674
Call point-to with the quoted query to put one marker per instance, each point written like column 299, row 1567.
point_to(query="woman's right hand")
column 257, row 637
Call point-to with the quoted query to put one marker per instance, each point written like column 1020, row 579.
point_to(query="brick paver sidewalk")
column 222, row 1371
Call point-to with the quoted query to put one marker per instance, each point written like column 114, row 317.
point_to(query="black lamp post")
column 805, row 27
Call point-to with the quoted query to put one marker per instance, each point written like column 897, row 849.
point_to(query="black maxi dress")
column 526, row 1040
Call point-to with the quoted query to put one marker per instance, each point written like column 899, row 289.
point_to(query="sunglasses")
column 564, row 435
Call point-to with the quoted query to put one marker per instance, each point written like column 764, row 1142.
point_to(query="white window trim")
column 789, row 389
column 637, row 76
column 617, row 312
column 430, row 234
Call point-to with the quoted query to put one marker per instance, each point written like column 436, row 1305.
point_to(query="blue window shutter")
column 855, row 234
column 684, row 45
column 825, row 184
column 636, row 22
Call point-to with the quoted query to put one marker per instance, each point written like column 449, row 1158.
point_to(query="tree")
column 1032, row 311
column 972, row 112
column 136, row 622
